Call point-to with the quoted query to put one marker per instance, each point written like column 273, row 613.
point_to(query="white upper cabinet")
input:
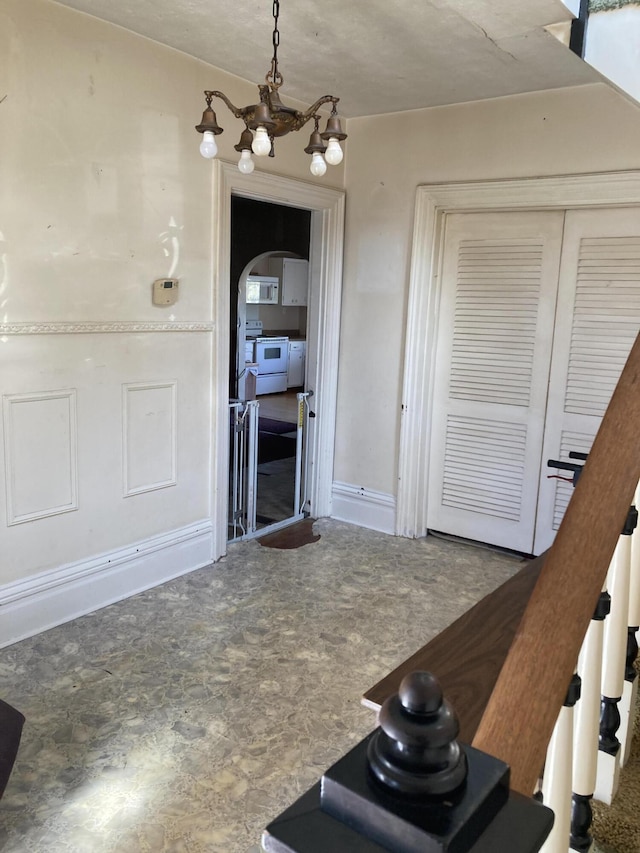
column 294, row 279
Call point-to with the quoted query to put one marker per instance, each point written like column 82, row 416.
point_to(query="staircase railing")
column 527, row 686
column 522, row 710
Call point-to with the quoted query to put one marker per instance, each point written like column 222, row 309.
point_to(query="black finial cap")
column 415, row 751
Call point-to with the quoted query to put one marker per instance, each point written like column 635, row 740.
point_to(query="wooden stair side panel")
column 468, row 655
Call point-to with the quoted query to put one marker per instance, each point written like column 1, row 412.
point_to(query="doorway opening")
column 269, row 406
column 323, row 329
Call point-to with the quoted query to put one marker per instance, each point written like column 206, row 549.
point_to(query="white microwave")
column 262, row 290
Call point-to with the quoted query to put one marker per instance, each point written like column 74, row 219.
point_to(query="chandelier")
column 271, row 118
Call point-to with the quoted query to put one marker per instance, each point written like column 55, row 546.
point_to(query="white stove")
column 271, row 354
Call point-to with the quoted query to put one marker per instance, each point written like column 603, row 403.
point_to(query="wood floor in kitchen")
column 281, row 407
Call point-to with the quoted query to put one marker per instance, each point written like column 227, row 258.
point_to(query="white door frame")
column 323, row 332
column 433, row 202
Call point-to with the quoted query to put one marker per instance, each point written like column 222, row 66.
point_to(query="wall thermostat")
column 165, row 291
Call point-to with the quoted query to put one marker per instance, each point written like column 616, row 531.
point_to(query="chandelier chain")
column 273, row 75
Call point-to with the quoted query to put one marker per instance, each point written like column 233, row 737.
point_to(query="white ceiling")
column 378, row 57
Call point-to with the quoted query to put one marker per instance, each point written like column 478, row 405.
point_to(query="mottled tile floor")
column 186, row 718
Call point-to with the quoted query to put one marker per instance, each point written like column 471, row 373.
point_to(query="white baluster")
column 630, row 687
column 613, row 666
column 556, row 783
column 587, row 728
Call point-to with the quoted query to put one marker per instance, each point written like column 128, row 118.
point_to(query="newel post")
column 411, row 787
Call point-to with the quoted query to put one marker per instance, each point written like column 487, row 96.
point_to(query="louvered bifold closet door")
column 597, row 321
column 499, row 283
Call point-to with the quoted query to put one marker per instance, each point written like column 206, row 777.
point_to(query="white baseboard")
column 40, row 602
column 365, row 507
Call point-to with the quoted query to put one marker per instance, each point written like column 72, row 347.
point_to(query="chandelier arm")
column 307, row 115
column 239, row 112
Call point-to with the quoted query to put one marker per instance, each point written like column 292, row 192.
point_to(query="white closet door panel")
column 499, row 281
column 597, row 320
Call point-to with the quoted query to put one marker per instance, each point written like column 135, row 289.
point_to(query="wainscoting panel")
column 149, row 436
column 364, row 507
column 40, row 448
column 143, row 407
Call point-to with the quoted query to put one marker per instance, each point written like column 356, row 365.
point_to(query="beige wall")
column 102, row 190
column 99, row 157
column 584, row 129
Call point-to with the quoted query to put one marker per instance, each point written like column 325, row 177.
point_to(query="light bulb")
column 318, row 166
column 333, row 155
column 208, row 147
column 246, row 164
column 261, row 144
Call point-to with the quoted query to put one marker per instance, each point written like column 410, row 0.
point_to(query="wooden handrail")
column 521, row 713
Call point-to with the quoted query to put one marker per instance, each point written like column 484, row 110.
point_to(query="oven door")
column 271, row 355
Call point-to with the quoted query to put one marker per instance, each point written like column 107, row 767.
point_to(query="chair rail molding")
column 325, row 262
column 114, row 327
column 433, row 203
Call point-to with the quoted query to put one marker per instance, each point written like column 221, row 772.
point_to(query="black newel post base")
column 581, row 819
column 424, row 825
column 410, row 787
column 609, row 725
column 630, row 673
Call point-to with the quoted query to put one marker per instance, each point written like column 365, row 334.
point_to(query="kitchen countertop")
column 293, row 335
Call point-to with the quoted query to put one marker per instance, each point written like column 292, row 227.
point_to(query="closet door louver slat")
column 605, row 319
column 484, row 465
column 483, row 313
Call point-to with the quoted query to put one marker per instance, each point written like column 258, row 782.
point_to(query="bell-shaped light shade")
column 318, row 166
column 246, row 164
column 261, row 144
column 208, row 147
column 333, row 155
